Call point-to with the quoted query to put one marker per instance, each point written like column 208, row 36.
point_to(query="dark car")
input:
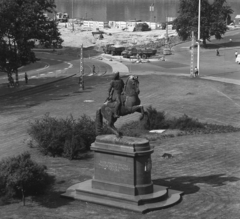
column 146, row 52
column 143, row 53
column 113, row 50
column 128, row 52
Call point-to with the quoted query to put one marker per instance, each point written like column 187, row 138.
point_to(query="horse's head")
column 132, row 86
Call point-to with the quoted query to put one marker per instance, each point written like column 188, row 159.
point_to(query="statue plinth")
column 122, row 177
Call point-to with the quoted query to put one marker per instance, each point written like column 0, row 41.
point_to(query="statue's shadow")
column 188, row 184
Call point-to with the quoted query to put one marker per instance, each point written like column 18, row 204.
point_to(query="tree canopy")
column 22, row 22
column 212, row 23
column 21, row 176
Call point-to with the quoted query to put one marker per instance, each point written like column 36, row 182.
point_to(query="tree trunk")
column 16, row 59
column 23, row 196
column 204, row 43
column 16, row 77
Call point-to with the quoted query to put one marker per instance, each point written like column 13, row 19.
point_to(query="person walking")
column 11, row 81
column 195, row 71
column 217, row 52
column 26, row 78
column 236, row 54
column 94, row 69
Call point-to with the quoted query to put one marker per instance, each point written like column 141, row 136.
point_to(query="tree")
column 22, row 22
column 213, row 19
column 21, row 176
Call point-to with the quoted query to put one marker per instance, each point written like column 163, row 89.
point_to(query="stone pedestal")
column 122, row 177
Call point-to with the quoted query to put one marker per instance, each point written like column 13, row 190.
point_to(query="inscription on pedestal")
column 115, row 167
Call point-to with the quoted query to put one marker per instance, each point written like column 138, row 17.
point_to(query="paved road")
column 73, row 64
column 223, row 66
column 52, row 65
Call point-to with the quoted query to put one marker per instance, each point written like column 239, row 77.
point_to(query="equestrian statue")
column 122, row 100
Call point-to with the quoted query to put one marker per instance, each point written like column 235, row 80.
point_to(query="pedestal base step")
column 162, row 197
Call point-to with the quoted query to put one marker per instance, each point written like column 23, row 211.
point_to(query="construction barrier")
column 95, row 24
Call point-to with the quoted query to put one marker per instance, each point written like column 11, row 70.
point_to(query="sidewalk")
column 117, row 65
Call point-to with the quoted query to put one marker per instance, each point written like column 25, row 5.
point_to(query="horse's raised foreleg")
column 144, row 118
column 114, row 130
column 139, row 109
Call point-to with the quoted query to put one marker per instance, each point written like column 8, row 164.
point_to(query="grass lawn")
column 204, row 166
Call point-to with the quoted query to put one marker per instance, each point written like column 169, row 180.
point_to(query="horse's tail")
column 99, row 122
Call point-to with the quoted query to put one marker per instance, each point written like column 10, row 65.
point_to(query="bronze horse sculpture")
column 130, row 104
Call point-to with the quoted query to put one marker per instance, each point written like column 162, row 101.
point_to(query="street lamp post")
column 198, row 51
column 72, row 17
column 81, row 76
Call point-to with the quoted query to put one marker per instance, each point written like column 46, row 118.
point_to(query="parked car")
column 113, row 49
column 167, row 51
column 238, row 59
column 146, row 52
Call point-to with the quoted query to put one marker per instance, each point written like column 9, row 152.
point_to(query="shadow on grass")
column 85, row 156
column 52, row 199
column 188, row 184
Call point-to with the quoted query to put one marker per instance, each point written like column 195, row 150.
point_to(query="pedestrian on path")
column 217, row 52
column 93, row 69
column 11, row 81
column 236, row 54
column 196, row 71
column 26, row 78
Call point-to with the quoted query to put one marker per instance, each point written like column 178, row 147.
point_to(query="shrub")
column 63, row 137
column 86, row 126
column 185, row 123
column 50, row 134
column 156, row 119
column 20, row 176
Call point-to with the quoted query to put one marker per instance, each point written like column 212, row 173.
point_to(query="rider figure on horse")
column 115, row 90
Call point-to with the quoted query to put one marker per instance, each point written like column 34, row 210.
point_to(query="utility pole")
column 151, row 9
column 167, row 30
column 166, row 42
column 72, row 17
column 198, row 42
column 81, row 70
column 192, row 57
